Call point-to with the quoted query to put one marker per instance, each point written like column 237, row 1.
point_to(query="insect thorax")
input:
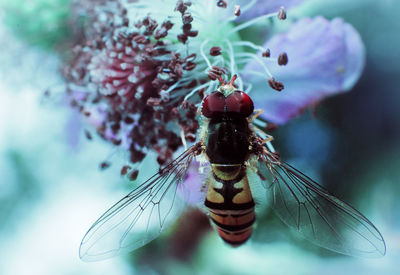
column 227, row 140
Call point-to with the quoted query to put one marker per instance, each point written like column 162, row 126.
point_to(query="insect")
column 234, row 149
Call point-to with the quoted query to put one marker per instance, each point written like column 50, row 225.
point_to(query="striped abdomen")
column 230, row 203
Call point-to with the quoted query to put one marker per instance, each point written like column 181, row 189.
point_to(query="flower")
column 144, row 66
column 326, row 57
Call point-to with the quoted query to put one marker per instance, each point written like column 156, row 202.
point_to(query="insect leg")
column 266, row 139
column 257, row 114
column 183, row 138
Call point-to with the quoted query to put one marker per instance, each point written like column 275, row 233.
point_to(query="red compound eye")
column 213, row 105
column 239, row 102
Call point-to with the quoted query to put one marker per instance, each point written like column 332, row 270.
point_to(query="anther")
column 190, row 58
column 212, row 76
column 282, row 13
column 167, row 24
column 276, row 85
column 236, row 10
column 181, row 7
column 133, row 175
column 266, row 53
column 193, row 33
column 214, row 51
column 215, row 72
column 283, row 59
column 182, row 38
column 222, row 4
column 104, row 165
column 88, row 135
column 188, row 66
column 187, row 18
column 124, row 169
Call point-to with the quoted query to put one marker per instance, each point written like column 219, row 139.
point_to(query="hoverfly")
column 233, row 148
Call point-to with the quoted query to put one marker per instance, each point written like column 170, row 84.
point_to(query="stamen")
column 215, row 72
column 266, row 53
column 203, row 54
column 222, row 4
column 220, row 61
column 249, row 44
column 276, row 85
column 198, row 88
column 173, row 87
column 248, row 89
column 214, row 51
column 258, row 60
column 252, row 22
column 255, row 73
column 236, row 10
column 283, row 59
column 231, row 56
column 212, row 87
column 240, row 83
column 282, row 14
column 243, row 9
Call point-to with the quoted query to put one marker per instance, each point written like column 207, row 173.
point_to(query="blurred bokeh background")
column 51, row 189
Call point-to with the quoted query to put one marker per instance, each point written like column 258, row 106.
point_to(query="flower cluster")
column 143, row 67
column 131, row 82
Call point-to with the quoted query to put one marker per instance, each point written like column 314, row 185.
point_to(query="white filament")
column 231, row 54
column 203, row 54
column 196, row 89
column 252, row 22
column 258, row 60
column 248, row 44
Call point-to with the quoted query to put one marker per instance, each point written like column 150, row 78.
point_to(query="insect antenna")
column 221, row 80
column 232, row 82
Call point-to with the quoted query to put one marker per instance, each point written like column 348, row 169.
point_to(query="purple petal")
column 265, row 7
column 73, row 130
column 193, row 190
column 325, row 58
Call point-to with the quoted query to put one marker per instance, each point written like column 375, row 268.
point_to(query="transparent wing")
column 140, row 216
column 319, row 216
